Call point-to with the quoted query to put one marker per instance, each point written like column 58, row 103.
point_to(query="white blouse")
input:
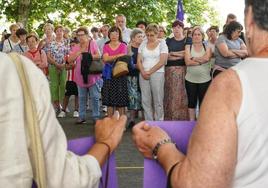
column 64, row 168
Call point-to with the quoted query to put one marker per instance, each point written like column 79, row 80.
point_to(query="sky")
column 224, row 7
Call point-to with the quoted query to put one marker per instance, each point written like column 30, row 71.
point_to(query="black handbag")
column 95, row 66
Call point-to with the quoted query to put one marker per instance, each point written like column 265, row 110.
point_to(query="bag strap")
column 32, row 125
column 10, row 44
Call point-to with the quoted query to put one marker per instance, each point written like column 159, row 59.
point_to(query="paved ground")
column 128, row 159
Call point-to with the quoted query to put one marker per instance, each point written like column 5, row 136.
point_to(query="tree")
column 87, row 12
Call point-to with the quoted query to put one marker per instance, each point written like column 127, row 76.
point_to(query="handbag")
column 121, row 66
column 95, row 66
column 31, row 125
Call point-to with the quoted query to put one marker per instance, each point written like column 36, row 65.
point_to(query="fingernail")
column 116, row 115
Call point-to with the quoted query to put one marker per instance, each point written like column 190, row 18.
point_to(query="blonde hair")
column 200, row 30
column 48, row 25
column 13, row 26
column 152, row 28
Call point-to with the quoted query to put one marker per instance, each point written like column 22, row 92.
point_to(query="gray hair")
column 134, row 32
column 260, row 12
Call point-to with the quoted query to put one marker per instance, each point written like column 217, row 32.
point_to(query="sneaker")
column 62, row 114
column 75, row 114
column 67, row 110
column 80, row 121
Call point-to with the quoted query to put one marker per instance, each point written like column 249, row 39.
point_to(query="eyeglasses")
column 150, row 35
column 80, row 35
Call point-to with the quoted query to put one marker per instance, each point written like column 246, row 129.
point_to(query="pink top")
column 39, row 58
column 122, row 49
column 78, row 78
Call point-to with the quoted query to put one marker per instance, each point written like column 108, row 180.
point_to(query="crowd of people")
column 168, row 79
column 168, row 75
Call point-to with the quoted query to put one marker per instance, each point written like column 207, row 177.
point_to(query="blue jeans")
column 83, row 93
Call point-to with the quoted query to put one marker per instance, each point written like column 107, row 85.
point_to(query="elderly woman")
column 230, row 49
column 175, row 99
column 152, row 56
column 197, row 77
column 114, row 90
column 134, row 93
column 87, row 84
column 162, row 32
column 228, row 147
column 38, row 57
column 22, row 46
column 13, row 40
column 58, row 50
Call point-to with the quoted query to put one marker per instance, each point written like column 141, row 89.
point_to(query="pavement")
column 129, row 161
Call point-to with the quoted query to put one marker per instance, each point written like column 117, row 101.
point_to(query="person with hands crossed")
column 152, row 56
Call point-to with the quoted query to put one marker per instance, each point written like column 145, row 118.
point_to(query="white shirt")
column 9, row 45
column 252, row 157
column 151, row 57
column 126, row 35
column 64, row 168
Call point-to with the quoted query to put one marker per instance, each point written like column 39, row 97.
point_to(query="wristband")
column 156, row 148
column 170, row 173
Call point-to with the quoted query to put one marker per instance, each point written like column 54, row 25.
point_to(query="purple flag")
column 180, row 12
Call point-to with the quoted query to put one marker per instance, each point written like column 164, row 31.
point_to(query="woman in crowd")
column 198, row 77
column 49, row 37
column 230, row 49
column 213, row 33
column 12, row 41
column 134, row 94
column 175, row 98
column 162, row 32
column 22, row 46
column 62, row 167
column 38, row 57
column 87, row 84
column 114, row 90
column 58, row 50
column 152, row 56
column 228, row 147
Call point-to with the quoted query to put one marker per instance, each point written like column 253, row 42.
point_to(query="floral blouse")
column 59, row 50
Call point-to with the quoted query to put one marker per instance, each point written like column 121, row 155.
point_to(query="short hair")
column 141, row 23
column 115, row 29
column 48, row 25
column 83, row 28
column 163, row 28
column 135, row 32
column 260, row 15
column 94, row 29
column 32, row 34
column 230, row 28
column 200, row 30
column 58, row 27
column 152, row 28
column 231, row 16
column 176, row 23
column 121, row 15
column 13, row 26
column 214, row 27
column 20, row 32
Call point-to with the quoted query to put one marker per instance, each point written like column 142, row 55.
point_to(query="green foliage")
column 87, row 12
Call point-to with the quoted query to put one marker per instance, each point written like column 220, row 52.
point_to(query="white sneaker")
column 62, row 114
column 75, row 114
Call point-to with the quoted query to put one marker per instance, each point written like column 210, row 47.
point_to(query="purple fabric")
column 180, row 132
column 81, row 146
column 180, row 12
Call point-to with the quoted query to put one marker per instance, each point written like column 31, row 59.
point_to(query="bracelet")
column 109, row 148
column 156, row 148
column 170, row 173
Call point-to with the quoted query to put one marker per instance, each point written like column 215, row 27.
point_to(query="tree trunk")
column 23, row 12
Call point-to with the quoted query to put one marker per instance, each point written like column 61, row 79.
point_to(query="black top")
column 134, row 71
column 175, row 46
